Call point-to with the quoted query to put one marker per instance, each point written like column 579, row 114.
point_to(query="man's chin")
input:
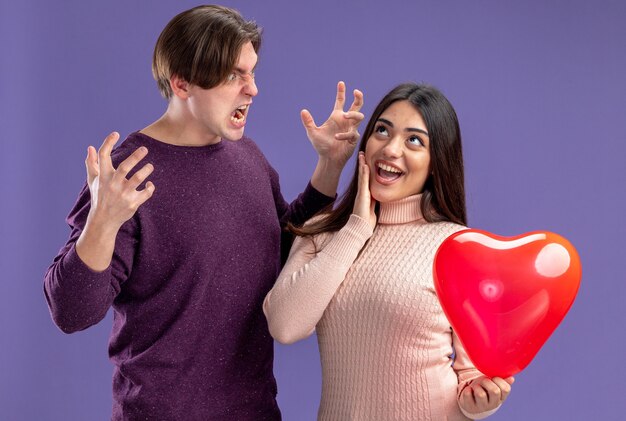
column 234, row 135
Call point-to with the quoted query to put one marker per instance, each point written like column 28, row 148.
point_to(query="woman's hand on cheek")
column 364, row 204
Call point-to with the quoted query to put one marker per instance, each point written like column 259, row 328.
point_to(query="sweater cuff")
column 480, row 415
column 74, row 266
column 311, row 193
column 346, row 243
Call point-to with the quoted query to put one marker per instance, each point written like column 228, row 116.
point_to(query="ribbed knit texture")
column 386, row 346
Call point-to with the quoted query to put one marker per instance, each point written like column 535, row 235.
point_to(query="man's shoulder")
column 247, row 143
column 247, row 146
column 128, row 146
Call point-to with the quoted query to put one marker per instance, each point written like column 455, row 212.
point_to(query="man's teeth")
column 389, row 168
column 239, row 115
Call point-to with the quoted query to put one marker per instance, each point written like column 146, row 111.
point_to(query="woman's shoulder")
column 452, row 226
column 443, row 229
column 318, row 239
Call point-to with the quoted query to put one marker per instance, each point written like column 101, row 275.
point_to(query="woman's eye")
column 381, row 129
column 414, row 140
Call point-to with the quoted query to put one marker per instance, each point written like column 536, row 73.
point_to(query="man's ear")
column 179, row 86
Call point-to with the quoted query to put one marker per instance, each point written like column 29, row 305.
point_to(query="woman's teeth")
column 388, row 172
column 389, row 168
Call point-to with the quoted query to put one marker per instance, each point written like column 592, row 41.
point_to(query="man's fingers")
column 354, row 115
column 358, row 101
column 91, row 164
column 341, row 96
column 307, row 120
column 146, row 193
column 104, row 153
column 349, row 136
column 140, row 176
column 129, row 163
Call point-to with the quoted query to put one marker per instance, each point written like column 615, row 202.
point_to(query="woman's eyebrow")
column 408, row 129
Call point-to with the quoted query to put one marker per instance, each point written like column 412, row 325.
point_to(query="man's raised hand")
column 114, row 198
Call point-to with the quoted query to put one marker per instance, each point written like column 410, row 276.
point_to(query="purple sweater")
column 187, row 281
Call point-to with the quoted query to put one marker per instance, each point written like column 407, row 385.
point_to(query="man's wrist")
column 332, row 167
column 326, row 177
column 96, row 243
column 100, row 226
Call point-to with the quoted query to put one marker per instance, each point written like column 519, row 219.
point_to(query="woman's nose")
column 393, row 148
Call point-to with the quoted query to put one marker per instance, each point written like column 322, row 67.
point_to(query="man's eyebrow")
column 408, row 129
column 240, row 70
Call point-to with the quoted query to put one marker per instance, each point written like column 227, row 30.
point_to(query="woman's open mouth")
column 387, row 173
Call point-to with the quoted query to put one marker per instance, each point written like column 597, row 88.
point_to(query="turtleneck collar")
column 401, row 211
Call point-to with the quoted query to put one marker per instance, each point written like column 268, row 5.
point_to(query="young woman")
column 361, row 275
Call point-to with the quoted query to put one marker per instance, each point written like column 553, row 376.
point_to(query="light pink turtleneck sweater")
column 385, row 343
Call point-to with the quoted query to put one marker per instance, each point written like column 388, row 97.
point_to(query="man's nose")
column 250, row 87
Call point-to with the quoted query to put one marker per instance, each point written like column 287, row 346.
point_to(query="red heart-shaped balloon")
column 504, row 296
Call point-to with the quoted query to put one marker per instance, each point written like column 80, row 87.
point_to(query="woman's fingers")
column 485, row 394
column 365, row 173
column 504, row 385
column 365, row 204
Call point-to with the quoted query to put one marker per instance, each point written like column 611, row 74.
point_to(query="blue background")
column 540, row 91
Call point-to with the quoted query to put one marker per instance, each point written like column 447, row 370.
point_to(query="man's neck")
column 176, row 127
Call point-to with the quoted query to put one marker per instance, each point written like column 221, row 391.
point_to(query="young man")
column 186, row 258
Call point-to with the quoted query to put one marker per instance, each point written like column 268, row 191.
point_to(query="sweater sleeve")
column 77, row 296
column 305, row 206
column 466, row 373
column 309, row 281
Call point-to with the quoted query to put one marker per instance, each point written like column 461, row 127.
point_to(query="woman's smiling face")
column 398, row 153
